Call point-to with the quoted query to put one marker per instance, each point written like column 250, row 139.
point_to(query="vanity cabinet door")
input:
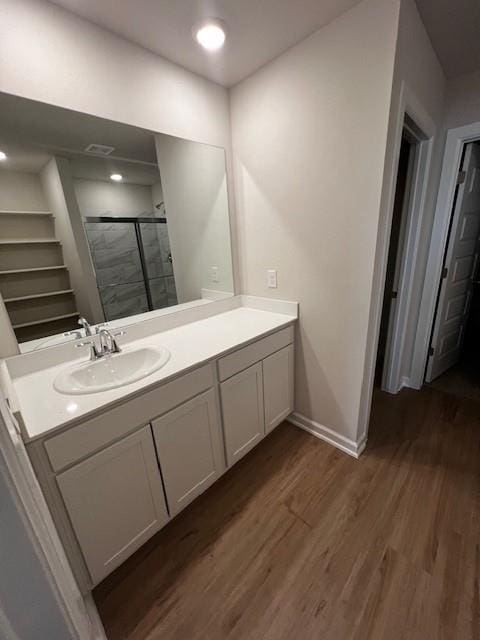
column 242, row 407
column 278, row 387
column 115, row 501
column 189, row 446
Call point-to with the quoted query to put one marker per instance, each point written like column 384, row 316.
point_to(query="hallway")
column 300, row 541
column 462, row 380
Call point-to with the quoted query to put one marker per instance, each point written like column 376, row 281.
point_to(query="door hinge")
column 444, row 273
column 431, row 351
column 461, row 177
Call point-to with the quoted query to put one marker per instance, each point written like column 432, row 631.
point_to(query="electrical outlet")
column 272, row 278
column 215, row 274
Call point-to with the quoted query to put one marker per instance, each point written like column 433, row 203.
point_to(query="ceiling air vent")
column 99, row 149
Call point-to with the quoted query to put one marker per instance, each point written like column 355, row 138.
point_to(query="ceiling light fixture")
column 116, row 177
column 3, row 155
column 210, row 34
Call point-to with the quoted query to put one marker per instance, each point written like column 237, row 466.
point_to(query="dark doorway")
column 402, row 191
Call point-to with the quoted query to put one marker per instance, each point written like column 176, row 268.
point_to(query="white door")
column 461, row 262
column 243, row 415
column 189, row 446
column 278, row 387
column 115, row 501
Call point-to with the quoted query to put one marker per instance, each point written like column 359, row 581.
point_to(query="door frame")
column 456, row 139
column 406, row 104
column 392, row 379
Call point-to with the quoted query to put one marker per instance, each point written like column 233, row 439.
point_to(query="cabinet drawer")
column 243, row 358
column 94, row 434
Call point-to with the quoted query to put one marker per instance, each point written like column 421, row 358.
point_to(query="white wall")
column 195, row 193
column 98, row 197
column 58, row 187
column 21, row 191
column 462, row 101
column 157, row 197
column 418, row 66
column 309, row 136
column 48, row 54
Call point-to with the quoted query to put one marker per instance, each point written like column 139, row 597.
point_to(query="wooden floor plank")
column 299, row 540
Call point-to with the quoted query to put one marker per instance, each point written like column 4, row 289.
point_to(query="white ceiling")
column 31, row 132
column 258, row 30
column 31, row 159
column 44, row 125
column 101, row 169
column 23, row 157
column 454, row 29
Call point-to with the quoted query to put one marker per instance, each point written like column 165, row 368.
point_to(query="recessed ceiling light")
column 210, row 34
column 116, row 177
column 3, row 155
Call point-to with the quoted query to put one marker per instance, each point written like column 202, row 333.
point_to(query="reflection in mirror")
column 101, row 222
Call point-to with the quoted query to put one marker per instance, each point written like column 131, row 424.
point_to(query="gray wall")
column 28, row 607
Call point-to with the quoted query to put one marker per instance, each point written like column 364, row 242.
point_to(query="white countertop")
column 43, row 409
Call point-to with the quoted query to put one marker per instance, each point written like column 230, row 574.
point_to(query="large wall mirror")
column 103, row 221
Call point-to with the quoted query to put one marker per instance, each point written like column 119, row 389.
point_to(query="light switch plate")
column 215, row 274
column 272, row 278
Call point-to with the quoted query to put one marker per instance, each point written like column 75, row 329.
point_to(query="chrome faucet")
column 108, row 344
column 77, row 333
column 85, row 324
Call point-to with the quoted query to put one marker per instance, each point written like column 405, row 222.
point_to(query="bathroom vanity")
column 140, row 377
column 116, row 465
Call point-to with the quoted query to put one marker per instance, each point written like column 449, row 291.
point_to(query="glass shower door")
column 157, row 257
column 118, row 266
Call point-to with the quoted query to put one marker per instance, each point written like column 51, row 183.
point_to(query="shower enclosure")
column 133, row 264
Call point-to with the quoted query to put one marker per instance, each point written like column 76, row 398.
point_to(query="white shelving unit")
column 34, row 280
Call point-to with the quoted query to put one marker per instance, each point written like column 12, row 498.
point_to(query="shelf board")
column 45, row 320
column 30, row 241
column 8, row 212
column 34, row 296
column 32, row 270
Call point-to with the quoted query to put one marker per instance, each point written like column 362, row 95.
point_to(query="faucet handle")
column 100, row 326
column 76, row 333
column 94, row 353
column 115, row 346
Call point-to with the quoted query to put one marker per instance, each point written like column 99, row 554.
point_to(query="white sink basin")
column 112, row 371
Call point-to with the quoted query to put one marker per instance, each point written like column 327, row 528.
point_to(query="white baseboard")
column 98, row 632
column 328, row 435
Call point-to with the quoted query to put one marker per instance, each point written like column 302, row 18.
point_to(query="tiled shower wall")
column 118, row 268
